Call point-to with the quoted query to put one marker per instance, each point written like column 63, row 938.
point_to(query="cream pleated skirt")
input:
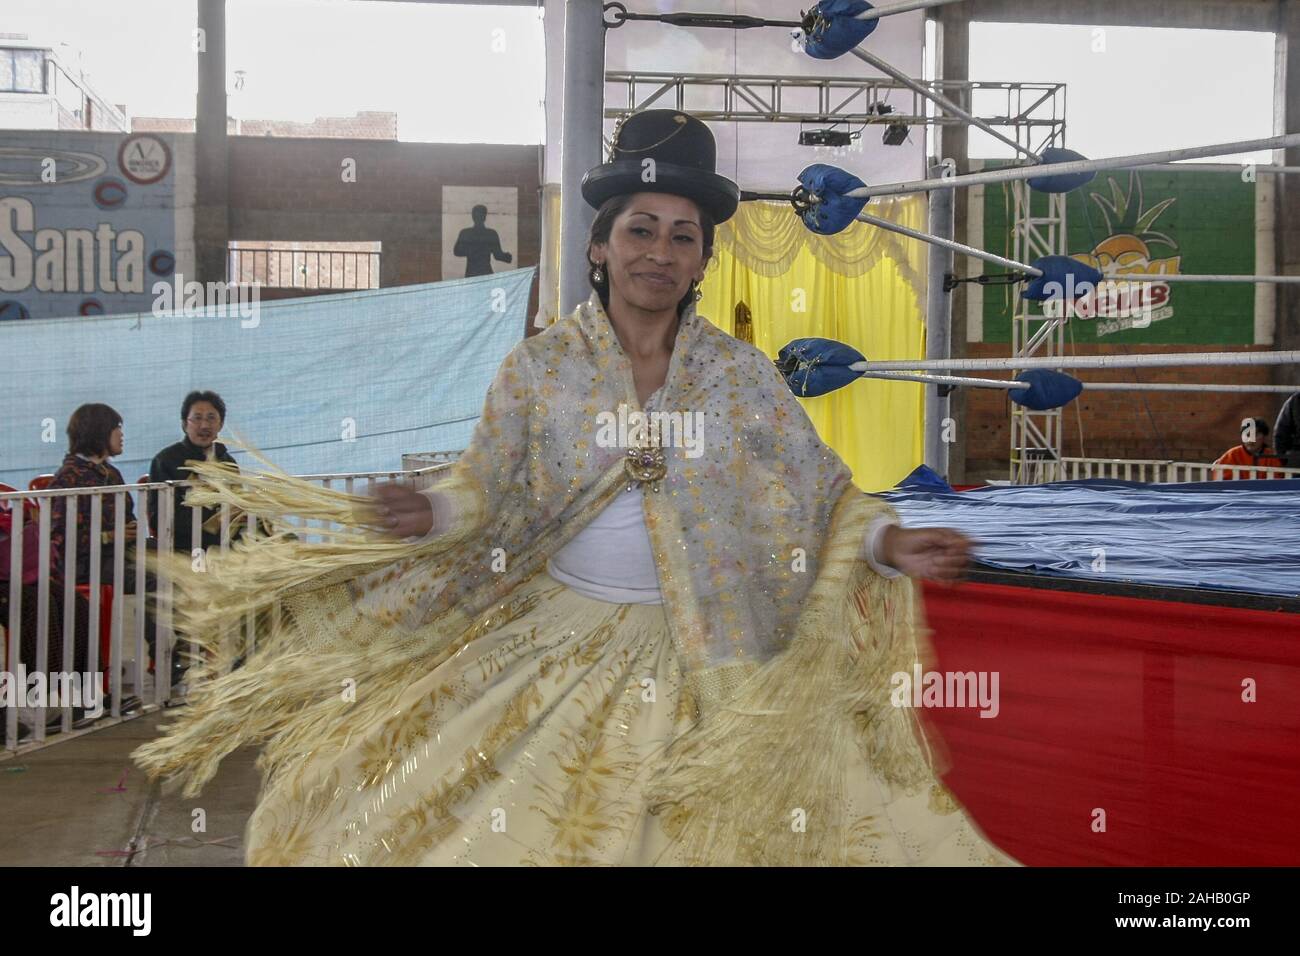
column 531, row 745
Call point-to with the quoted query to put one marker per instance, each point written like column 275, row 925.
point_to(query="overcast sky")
column 451, row 73
column 1129, row 89
column 1144, row 90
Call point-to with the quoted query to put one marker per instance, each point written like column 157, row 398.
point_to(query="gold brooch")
column 645, row 466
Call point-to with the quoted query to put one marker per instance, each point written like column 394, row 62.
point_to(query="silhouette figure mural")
column 479, row 229
column 478, row 245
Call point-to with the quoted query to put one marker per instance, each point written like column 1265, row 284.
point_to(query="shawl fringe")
column 761, row 780
column 281, row 609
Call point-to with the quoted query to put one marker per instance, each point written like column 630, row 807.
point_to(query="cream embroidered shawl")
column 788, row 639
column 737, row 531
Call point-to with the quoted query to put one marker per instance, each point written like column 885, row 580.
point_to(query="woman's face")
column 655, row 251
column 115, row 442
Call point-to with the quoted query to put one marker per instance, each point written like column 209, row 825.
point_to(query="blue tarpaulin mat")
column 320, row 384
column 1241, row 536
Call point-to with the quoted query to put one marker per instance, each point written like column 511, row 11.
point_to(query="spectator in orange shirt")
column 1253, row 450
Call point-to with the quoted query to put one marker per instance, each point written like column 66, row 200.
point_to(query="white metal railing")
column 32, row 519
column 1145, row 470
column 422, row 459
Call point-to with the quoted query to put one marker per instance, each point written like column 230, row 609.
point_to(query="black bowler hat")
column 685, row 157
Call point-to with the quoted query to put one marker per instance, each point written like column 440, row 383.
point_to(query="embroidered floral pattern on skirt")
column 531, row 744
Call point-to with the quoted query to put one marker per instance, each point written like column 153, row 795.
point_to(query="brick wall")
column 169, row 124
column 364, row 125
column 292, row 189
column 1184, row 426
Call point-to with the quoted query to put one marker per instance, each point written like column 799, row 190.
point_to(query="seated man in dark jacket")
column 202, row 415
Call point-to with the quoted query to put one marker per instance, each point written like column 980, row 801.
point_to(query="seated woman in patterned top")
column 94, row 436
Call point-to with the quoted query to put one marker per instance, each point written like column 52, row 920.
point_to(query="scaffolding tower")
column 1031, row 113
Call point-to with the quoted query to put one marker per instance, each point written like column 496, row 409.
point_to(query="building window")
column 304, row 265
column 22, row 71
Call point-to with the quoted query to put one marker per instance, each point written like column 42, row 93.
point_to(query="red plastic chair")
column 105, row 624
column 105, row 590
column 6, row 508
column 32, row 507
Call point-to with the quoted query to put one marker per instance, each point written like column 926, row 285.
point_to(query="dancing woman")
column 567, row 651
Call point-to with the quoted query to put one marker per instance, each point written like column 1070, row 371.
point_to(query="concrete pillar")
column 1287, row 188
column 584, row 110
column 953, row 60
column 938, row 323
column 211, row 149
column 548, row 271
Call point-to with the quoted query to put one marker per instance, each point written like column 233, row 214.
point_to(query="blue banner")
column 329, row 383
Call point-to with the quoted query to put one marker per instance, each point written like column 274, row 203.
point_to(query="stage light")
column 895, row 134
column 824, row 137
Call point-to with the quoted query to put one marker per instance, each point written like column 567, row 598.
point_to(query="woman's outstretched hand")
column 938, row 554
column 402, row 512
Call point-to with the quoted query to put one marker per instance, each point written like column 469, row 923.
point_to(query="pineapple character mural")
column 1157, row 222
column 1130, row 247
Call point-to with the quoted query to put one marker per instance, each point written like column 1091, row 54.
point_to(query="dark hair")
column 90, row 427
column 603, row 225
column 478, row 212
column 1261, row 427
column 212, row 398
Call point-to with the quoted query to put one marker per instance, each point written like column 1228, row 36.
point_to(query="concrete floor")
column 82, row 802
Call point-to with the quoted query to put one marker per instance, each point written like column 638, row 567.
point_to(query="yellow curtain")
column 864, row 287
column 548, row 275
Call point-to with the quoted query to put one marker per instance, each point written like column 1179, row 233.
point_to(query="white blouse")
column 611, row 559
